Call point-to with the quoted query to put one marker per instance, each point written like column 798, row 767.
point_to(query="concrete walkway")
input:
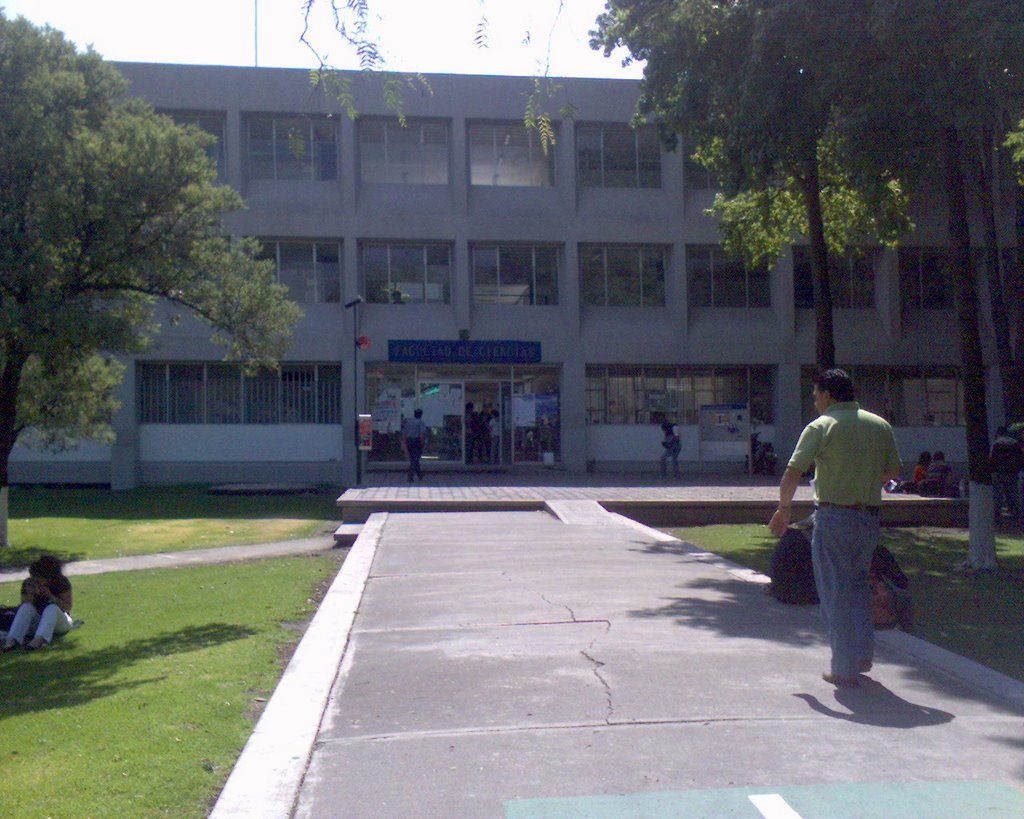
column 195, row 557
column 573, row 663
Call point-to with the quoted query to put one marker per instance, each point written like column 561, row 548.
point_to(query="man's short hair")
column 417, row 413
column 836, row 383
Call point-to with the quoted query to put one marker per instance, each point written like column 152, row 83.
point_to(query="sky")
column 428, row 36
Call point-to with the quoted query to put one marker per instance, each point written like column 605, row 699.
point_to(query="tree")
column 106, row 210
column 952, row 70
column 753, row 86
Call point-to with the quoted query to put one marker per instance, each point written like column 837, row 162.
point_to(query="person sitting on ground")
column 937, row 477
column 49, row 610
column 921, row 468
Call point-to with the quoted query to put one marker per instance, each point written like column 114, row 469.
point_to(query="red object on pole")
column 363, row 342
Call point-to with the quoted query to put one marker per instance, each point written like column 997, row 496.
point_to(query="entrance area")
column 473, row 415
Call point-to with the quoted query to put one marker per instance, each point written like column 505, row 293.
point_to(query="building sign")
column 435, row 351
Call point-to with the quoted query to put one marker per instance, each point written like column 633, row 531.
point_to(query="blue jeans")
column 841, row 547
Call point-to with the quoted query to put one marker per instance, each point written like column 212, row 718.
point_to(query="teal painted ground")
column 913, row 800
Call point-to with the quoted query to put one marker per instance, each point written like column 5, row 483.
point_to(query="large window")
column 851, row 277
column 623, row 275
column 508, row 154
column 212, row 123
column 717, row 280
column 184, row 393
column 310, row 270
column 515, row 274
column 403, row 273
column 697, row 177
column 291, row 147
column 926, row 282
column 416, row 154
column 904, row 396
column 634, row 394
column 618, row 156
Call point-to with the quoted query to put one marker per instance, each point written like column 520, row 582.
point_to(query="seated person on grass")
column 48, row 612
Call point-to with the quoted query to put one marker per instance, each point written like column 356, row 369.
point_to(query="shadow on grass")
column 61, row 676
column 168, row 502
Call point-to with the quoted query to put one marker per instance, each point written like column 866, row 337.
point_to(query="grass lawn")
column 980, row 616
column 143, row 711
column 80, row 524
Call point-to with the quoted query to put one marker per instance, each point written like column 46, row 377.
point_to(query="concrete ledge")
column 357, row 511
column 266, row 778
column 346, row 534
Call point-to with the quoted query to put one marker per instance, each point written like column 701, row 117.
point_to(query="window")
column 716, row 280
column 399, row 273
column 292, row 147
column 515, row 274
column 310, row 270
column 212, row 124
column 618, row 156
column 851, row 277
column 171, row 393
column 414, row 155
column 635, row 394
column 904, row 396
column 508, row 154
column 697, row 177
column 926, row 282
column 623, row 275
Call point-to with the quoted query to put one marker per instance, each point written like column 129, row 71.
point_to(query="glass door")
column 443, row 407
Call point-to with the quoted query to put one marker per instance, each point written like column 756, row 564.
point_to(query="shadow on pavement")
column 874, row 704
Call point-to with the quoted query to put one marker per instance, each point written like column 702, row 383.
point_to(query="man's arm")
column 787, row 488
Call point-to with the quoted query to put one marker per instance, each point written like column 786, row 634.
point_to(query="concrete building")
column 579, row 292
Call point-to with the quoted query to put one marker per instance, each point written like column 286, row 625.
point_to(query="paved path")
column 511, row 664
column 195, row 557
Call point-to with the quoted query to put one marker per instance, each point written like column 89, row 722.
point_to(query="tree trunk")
column 982, row 545
column 987, row 198
column 10, row 379
column 824, row 338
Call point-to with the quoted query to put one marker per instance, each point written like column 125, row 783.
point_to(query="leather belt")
column 860, row 507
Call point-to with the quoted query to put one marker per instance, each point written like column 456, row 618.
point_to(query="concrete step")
column 346, row 534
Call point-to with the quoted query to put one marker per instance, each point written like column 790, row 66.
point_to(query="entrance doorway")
column 526, row 429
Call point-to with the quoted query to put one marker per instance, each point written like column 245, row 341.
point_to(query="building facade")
column 579, row 292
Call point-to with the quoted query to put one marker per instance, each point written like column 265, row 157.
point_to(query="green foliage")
column 106, row 208
column 145, row 715
column 63, row 400
column 975, row 615
column 87, row 524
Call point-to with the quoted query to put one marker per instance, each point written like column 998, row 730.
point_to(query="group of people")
column 483, row 438
column 483, row 434
column 45, row 608
column 934, row 478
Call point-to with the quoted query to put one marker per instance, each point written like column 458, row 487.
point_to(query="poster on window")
column 387, row 411
column 524, row 410
column 724, row 422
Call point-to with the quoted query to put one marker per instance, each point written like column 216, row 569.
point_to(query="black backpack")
column 792, row 571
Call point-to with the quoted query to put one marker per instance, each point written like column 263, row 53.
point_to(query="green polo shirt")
column 851, row 449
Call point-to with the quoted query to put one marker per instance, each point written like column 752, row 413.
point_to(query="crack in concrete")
column 597, row 664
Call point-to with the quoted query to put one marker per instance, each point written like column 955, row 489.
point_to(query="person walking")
column 412, row 442
column 671, row 447
column 854, row 453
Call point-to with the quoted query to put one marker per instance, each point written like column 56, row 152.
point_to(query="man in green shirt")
column 854, row 454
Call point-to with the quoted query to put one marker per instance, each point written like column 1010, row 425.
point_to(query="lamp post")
column 353, row 306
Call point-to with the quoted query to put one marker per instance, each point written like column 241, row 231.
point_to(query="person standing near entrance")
column 494, row 426
column 854, row 453
column 412, row 442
